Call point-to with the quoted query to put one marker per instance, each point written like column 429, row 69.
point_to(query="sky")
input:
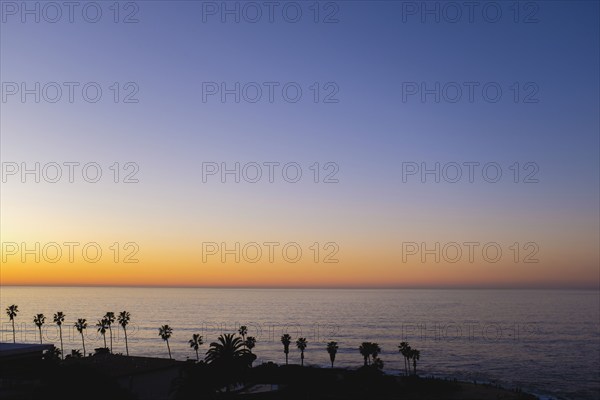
column 313, row 144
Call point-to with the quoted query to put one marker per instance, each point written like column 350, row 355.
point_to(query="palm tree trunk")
column 302, row 359
column 40, row 328
column 62, row 352
column 126, row 345
column 110, row 331
column 169, row 348
column 14, row 334
column 415, row 366
column 104, row 336
column 83, row 343
column 286, row 358
column 331, row 363
column 197, row 356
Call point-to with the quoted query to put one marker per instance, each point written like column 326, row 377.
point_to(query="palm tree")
column 195, row 343
column 286, row 340
column 165, row 333
column 123, row 320
column 80, row 325
column 250, row 343
column 364, row 350
column 369, row 350
column 12, row 311
column 110, row 318
column 415, row 355
column 39, row 320
column 59, row 318
column 332, row 349
column 76, row 353
column 227, row 350
column 301, row 344
column 102, row 325
column 405, row 349
column 243, row 331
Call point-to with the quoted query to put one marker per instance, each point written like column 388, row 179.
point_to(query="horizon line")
column 375, row 287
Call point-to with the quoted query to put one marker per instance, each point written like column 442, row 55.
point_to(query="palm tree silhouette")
column 110, row 318
column 301, row 344
column 165, row 333
column 102, row 325
column 39, row 320
column 243, row 331
column 405, row 350
column 80, row 325
column 286, row 340
column 12, row 311
column 195, row 343
column 332, row 349
column 59, row 318
column 369, row 350
column 415, row 355
column 227, row 351
column 123, row 320
column 76, row 353
column 250, row 343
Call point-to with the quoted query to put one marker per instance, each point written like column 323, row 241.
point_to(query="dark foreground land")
column 120, row 377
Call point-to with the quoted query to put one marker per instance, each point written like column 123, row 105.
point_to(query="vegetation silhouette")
column 39, row 321
column 59, row 318
column 123, row 320
column 81, row 325
column 195, row 343
column 286, row 340
column 332, row 348
column 109, row 317
column 102, row 327
column 301, row 343
column 229, row 356
column 369, row 351
column 165, row 333
column 12, row 312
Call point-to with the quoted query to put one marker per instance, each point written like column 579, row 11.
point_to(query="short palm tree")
column 195, row 343
column 39, row 321
column 227, row 351
column 250, row 343
column 123, row 320
column 415, row 355
column 12, row 311
column 301, row 344
column 59, row 318
column 332, row 349
column 286, row 340
column 369, row 351
column 80, row 325
column 76, row 353
column 110, row 318
column 243, row 331
column 165, row 333
column 102, row 326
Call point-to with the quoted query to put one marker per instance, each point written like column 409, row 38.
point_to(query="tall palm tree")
column 195, row 343
column 80, row 325
column 243, row 331
column 102, row 325
column 12, row 311
column 59, row 318
column 39, row 320
column 405, row 349
column 227, row 351
column 110, row 318
column 332, row 349
column 415, row 355
column 301, row 344
column 165, row 333
column 123, row 320
column 286, row 340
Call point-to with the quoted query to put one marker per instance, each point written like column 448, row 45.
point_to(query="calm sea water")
column 545, row 342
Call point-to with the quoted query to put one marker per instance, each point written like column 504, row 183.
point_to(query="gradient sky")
column 369, row 133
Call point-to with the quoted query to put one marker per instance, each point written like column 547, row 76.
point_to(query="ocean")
column 546, row 342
